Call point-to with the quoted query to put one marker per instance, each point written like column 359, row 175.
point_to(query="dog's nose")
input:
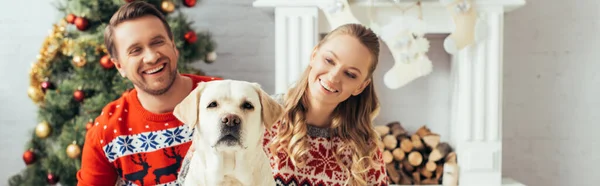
column 231, row 120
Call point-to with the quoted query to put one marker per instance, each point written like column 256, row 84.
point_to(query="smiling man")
column 137, row 139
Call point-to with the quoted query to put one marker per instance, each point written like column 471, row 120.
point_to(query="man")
column 136, row 139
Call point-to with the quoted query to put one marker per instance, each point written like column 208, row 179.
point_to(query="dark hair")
column 131, row 11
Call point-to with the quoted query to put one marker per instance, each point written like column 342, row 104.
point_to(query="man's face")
column 145, row 54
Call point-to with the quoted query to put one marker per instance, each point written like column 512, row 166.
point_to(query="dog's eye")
column 247, row 105
column 212, row 104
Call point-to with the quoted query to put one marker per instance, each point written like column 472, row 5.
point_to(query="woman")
column 326, row 135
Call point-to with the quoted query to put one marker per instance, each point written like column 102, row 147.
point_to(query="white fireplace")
column 475, row 112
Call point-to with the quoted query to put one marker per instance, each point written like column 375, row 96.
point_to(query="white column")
column 477, row 107
column 295, row 36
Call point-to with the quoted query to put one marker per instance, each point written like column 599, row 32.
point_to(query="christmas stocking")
column 338, row 13
column 404, row 36
column 464, row 17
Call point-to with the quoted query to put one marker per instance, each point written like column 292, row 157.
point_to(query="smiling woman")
column 340, row 68
column 326, row 135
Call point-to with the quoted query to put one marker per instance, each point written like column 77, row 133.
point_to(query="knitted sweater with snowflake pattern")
column 321, row 168
column 129, row 145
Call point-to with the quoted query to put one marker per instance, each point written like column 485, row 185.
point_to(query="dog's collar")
column 318, row 131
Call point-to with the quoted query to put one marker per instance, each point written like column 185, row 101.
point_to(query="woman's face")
column 339, row 69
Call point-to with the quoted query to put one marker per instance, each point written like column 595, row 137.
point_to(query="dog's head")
column 228, row 114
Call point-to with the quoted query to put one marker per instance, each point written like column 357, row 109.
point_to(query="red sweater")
column 129, row 145
column 321, row 168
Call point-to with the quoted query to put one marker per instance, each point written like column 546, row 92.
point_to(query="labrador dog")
column 229, row 118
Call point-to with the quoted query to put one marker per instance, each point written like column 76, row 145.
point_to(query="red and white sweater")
column 129, row 145
column 321, row 168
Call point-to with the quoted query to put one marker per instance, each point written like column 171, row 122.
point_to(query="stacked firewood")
column 417, row 158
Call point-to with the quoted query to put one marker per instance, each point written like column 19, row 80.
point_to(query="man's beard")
column 158, row 92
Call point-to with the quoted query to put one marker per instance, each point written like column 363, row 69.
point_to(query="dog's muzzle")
column 230, row 130
column 231, row 120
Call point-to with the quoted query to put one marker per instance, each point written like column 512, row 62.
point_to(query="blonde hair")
column 352, row 118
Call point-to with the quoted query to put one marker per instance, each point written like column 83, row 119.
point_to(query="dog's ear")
column 271, row 110
column 187, row 110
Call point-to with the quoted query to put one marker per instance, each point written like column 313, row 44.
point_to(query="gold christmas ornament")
column 73, row 150
column 42, row 130
column 79, row 61
column 167, row 6
column 35, row 94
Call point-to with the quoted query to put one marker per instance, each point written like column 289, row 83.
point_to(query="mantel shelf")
column 509, row 5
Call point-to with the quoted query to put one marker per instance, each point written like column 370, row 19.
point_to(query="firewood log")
column 415, row 158
column 416, row 176
column 440, row 152
column 450, row 176
column 407, row 166
column 423, row 131
column 429, row 181
column 417, row 143
column 439, row 170
column 387, row 156
column 406, row 144
column 432, row 140
column 405, row 179
column 398, row 154
column 418, row 158
column 396, row 128
column 430, row 166
column 390, row 142
column 382, row 130
column 393, row 173
column 425, row 172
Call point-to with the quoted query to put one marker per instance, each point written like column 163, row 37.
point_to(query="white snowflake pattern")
column 124, row 145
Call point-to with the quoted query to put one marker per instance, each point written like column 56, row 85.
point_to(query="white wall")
column 551, row 93
column 23, row 27
column 549, row 86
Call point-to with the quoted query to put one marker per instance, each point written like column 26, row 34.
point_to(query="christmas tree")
column 74, row 78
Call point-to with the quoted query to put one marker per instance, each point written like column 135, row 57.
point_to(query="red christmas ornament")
column 52, row 179
column 190, row 37
column 71, row 18
column 89, row 125
column 29, row 157
column 106, row 62
column 46, row 85
column 78, row 95
column 81, row 23
column 189, row 3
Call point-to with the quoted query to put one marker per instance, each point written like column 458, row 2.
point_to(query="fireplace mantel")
column 476, row 108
